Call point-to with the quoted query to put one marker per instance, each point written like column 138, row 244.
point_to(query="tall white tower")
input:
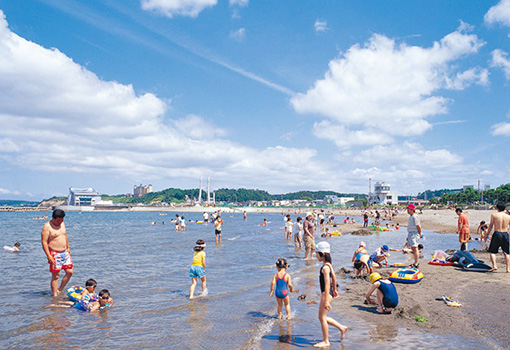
column 208, row 190
column 200, row 191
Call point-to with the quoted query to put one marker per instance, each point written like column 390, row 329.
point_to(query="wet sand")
column 484, row 314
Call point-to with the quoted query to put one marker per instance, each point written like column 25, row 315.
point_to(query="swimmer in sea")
column 283, row 285
column 15, row 247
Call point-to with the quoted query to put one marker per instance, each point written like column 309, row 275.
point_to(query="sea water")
column 145, row 267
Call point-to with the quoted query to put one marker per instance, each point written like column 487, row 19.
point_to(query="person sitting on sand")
column 387, row 296
column 380, row 256
column 282, row 282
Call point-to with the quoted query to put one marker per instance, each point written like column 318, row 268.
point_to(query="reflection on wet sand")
column 54, row 327
column 198, row 324
column 285, row 334
column 382, row 333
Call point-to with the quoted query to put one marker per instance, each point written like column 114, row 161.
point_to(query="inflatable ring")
column 336, row 233
column 440, row 262
column 74, row 293
column 199, row 222
column 406, row 275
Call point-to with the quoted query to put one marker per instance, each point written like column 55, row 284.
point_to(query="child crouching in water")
column 197, row 269
column 283, row 286
column 327, row 281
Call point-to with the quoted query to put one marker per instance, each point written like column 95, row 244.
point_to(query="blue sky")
column 274, row 95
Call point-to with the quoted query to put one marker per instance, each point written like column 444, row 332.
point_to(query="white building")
column 87, row 197
column 335, row 200
column 382, row 195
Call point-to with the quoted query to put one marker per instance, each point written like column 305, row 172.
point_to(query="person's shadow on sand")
column 370, row 308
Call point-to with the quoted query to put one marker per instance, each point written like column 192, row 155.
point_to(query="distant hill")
column 239, row 195
column 15, row 203
column 313, row 195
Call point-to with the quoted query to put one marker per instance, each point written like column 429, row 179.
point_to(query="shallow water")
column 145, row 267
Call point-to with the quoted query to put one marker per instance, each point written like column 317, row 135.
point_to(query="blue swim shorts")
column 196, row 271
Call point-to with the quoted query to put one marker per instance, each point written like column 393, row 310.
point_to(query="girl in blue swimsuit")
column 283, row 286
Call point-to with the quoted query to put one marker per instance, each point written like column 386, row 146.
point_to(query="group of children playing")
column 281, row 286
column 87, row 299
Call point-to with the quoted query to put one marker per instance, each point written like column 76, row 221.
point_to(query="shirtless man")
column 56, row 247
column 499, row 222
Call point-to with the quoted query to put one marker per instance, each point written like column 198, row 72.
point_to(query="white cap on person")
column 323, row 247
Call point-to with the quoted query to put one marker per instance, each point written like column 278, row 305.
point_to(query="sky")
column 280, row 96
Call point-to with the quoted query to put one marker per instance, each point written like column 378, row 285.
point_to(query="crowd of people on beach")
column 55, row 244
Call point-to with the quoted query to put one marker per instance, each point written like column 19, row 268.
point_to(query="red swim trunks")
column 62, row 261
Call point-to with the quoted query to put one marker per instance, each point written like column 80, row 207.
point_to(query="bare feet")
column 280, row 316
column 322, row 344
column 493, row 269
column 342, row 332
column 380, row 310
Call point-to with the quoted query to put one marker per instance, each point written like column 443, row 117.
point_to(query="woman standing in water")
column 327, row 280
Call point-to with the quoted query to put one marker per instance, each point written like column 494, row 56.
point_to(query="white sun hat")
column 323, row 247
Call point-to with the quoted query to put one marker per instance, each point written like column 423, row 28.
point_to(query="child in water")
column 283, row 286
column 90, row 286
column 14, row 248
column 327, row 280
column 387, row 297
column 197, row 269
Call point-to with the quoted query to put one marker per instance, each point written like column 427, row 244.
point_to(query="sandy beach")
column 483, row 296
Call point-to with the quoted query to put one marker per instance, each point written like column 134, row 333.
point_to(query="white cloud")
column 390, row 88
column 197, row 128
column 500, row 60
column 171, row 8
column 408, row 156
column 240, row 3
column 320, row 26
column 500, row 13
column 238, row 35
column 464, row 79
column 501, row 129
column 4, row 191
column 57, row 116
column 344, row 138
column 8, row 146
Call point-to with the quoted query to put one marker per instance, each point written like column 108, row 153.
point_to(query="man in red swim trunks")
column 56, row 247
